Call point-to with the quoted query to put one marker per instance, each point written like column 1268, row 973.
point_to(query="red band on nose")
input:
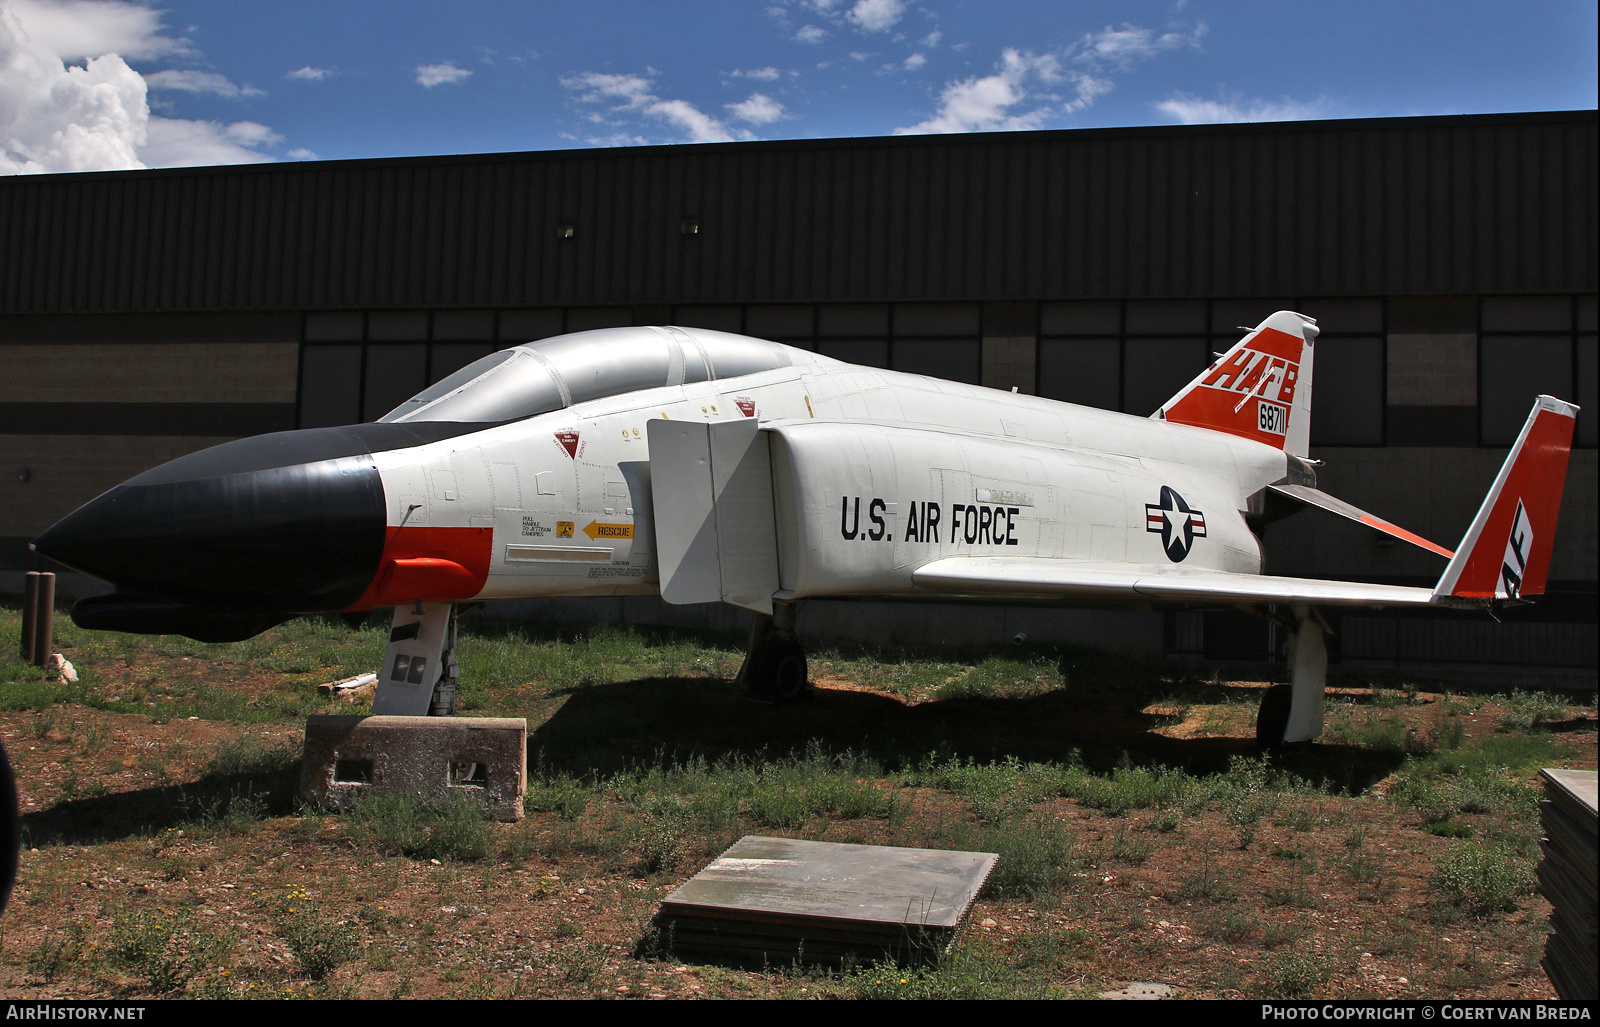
column 429, row 564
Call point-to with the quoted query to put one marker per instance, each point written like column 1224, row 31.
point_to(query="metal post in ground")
column 30, row 603
column 44, row 619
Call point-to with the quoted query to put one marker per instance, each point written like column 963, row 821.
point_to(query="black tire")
column 777, row 670
column 1272, row 722
column 787, row 672
column 10, row 829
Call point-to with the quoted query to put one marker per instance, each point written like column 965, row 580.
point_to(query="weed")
column 1449, row 829
column 1166, row 821
column 1528, row 711
column 54, row 953
column 408, row 826
column 1383, row 734
column 1204, row 885
column 580, row 964
column 1276, row 934
column 1302, row 817
column 164, row 946
column 1482, row 880
column 72, row 789
column 560, row 794
column 1363, row 869
column 1231, row 925
column 1128, row 788
column 1131, row 849
column 1295, row 972
column 247, row 754
column 319, row 942
column 1296, row 896
column 238, row 809
column 968, row 973
column 660, row 845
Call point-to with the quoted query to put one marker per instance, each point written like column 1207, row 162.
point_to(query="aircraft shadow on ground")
column 602, row 729
column 216, row 800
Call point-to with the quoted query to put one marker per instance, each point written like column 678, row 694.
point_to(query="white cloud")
column 199, row 82
column 985, row 104
column 250, row 133
column 931, row 40
column 763, row 74
column 1027, row 90
column 430, row 75
column 700, row 127
column 914, row 62
column 301, row 153
column 55, row 118
column 1120, row 49
column 759, row 109
column 309, row 74
column 810, row 34
column 1192, row 110
column 60, row 118
column 74, row 30
column 632, row 95
column 876, row 15
column 177, row 143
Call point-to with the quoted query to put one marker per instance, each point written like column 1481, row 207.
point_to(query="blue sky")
column 95, row 84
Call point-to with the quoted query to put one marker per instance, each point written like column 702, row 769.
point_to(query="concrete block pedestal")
column 438, row 759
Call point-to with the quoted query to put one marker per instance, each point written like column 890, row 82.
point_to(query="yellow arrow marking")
column 594, row 529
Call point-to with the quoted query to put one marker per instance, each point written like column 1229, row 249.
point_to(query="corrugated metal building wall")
column 1490, row 204
column 1454, row 262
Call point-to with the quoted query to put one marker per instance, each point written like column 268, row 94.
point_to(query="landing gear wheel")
column 1272, row 722
column 787, row 671
column 778, row 670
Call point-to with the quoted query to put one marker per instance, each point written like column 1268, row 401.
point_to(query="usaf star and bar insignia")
column 1177, row 525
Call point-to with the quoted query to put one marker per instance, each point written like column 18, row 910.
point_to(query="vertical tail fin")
column 1260, row 389
column 1506, row 552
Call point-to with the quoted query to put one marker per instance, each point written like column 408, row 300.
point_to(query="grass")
column 318, row 940
column 407, row 826
column 1482, row 880
column 647, row 764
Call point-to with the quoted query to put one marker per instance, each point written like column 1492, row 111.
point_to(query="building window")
column 1133, row 356
column 356, row 367
column 1530, row 346
column 1348, row 391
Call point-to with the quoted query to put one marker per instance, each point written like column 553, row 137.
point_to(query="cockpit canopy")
column 550, row 374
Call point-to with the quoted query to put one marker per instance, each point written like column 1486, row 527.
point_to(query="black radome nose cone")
column 259, row 524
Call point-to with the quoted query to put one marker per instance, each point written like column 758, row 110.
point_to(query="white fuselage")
column 875, row 473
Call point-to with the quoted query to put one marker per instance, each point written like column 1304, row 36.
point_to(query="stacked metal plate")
column 780, row 900
column 1567, row 877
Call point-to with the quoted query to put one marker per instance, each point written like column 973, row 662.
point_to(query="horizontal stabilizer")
column 1321, row 500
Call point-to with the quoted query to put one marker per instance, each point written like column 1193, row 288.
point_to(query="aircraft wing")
column 1036, row 578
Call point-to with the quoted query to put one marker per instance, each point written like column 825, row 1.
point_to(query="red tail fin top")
column 1260, row 389
column 1506, row 552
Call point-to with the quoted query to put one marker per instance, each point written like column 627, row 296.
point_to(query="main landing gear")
column 775, row 662
column 1293, row 712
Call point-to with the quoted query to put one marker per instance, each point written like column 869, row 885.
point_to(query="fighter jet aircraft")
column 712, row 467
